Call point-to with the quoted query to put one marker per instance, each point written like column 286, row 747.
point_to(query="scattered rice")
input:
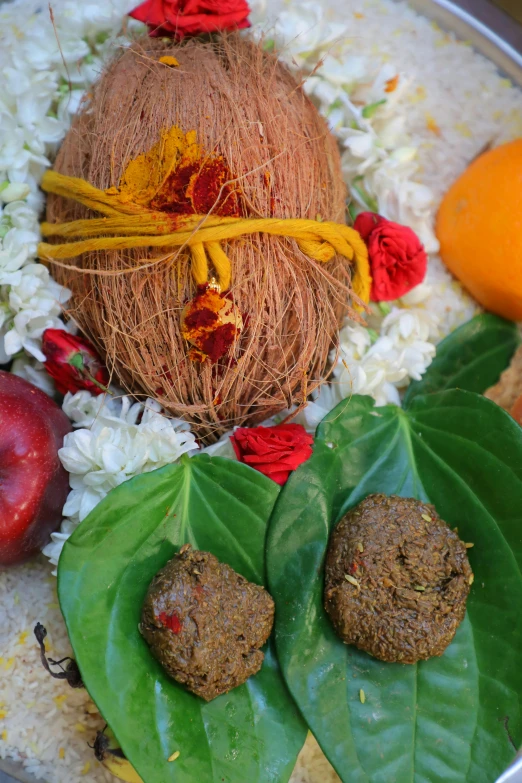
column 312, row 766
column 44, row 725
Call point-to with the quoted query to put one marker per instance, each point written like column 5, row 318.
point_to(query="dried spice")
column 224, row 621
column 105, row 745
column 71, row 673
column 411, row 594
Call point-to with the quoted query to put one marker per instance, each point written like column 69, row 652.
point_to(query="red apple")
column 33, row 483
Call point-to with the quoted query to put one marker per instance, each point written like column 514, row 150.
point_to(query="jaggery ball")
column 396, row 580
column 205, row 623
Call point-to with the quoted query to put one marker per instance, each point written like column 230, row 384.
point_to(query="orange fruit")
column 479, row 226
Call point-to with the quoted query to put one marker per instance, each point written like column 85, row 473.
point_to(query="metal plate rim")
column 496, row 40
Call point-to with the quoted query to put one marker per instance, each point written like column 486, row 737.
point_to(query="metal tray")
column 497, row 36
column 491, row 31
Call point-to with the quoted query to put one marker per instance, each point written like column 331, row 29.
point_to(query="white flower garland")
column 41, row 88
column 360, row 102
column 115, row 439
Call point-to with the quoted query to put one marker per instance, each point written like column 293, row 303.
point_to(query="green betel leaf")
column 452, row 718
column 253, row 733
column 471, row 358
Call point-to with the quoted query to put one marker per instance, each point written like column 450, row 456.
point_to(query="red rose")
column 73, row 363
column 192, row 17
column 274, row 451
column 398, row 261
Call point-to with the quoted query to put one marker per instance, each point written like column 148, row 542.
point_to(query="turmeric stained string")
column 129, row 225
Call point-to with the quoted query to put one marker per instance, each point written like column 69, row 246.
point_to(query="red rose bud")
column 179, row 18
column 366, row 222
column 398, row 261
column 274, row 451
column 73, row 363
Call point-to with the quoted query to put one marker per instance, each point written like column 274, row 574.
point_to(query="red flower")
column 192, row 17
column 274, row 451
column 73, row 363
column 397, row 257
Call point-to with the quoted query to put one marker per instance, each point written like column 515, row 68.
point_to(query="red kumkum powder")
column 216, row 344
column 198, row 188
column 207, row 190
column 209, row 323
column 201, row 318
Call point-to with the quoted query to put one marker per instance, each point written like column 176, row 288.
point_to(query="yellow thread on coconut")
column 132, row 223
column 137, row 226
column 130, row 301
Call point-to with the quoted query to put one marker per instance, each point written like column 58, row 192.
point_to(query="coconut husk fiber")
column 248, row 108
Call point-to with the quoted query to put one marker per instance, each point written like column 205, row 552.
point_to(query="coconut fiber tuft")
column 246, row 107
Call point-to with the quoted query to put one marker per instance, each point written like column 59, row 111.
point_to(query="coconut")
column 248, row 112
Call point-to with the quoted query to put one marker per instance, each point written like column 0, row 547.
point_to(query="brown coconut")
column 247, row 107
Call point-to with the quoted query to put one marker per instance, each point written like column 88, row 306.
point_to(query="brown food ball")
column 397, row 579
column 205, row 623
